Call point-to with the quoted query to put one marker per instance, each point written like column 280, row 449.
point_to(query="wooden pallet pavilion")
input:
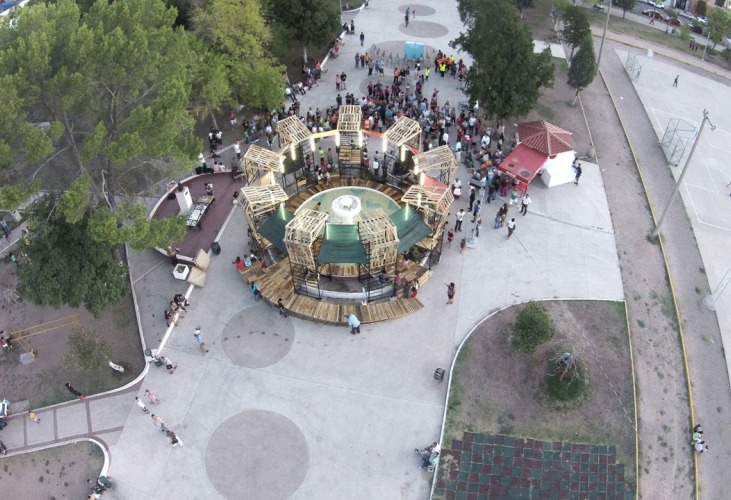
column 292, row 131
column 300, row 235
column 380, row 235
column 256, row 203
column 258, row 159
column 405, row 132
column 439, row 163
column 349, row 140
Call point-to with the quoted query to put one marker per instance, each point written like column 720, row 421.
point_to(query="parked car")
column 673, row 22
column 654, row 14
column 657, row 5
column 686, row 15
column 702, row 19
column 696, row 29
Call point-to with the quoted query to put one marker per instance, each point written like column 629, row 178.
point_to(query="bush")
column 533, row 328
column 569, row 388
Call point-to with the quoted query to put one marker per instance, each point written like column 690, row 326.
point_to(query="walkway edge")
column 667, row 273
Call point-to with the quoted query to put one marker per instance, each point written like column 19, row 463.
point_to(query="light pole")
column 710, row 300
column 604, row 35
column 682, row 174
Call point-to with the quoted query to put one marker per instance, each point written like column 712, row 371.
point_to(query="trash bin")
column 215, row 248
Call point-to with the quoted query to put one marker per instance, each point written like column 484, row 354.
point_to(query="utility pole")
column 604, row 35
column 682, row 174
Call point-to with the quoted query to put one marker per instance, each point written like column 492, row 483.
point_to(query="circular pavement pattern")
column 256, row 338
column 271, row 456
column 424, row 29
column 421, row 10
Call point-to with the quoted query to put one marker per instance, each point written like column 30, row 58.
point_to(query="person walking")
column 577, row 169
column 174, row 439
column 511, row 227
column 255, row 290
column 141, row 405
column 73, row 391
column 478, row 225
column 451, row 290
column 159, row 423
column 353, row 323
column 282, row 309
column 199, row 340
column 675, row 82
column 524, row 203
column 462, row 245
column 450, row 238
column 362, row 38
column 460, row 218
column 33, row 416
column 476, row 211
column 153, row 399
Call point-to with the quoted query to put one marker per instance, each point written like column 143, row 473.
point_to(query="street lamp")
column 682, row 174
column 604, row 35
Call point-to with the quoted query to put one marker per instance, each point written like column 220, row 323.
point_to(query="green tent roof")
column 341, row 245
column 273, row 228
column 411, row 228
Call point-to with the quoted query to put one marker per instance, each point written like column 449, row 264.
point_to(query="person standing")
column 159, row 423
column 73, row 391
column 524, row 204
column 33, row 416
column 478, row 225
column 174, row 439
column 141, row 405
column 451, row 290
column 460, row 218
column 472, row 197
column 353, row 323
column 362, row 38
column 153, row 399
column 237, row 149
column 255, row 290
column 199, row 340
column 511, row 227
column 450, row 238
column 282, row 309
column 577, row 168
column 476, row 210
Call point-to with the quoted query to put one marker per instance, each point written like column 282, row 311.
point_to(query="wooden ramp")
column 275, row 283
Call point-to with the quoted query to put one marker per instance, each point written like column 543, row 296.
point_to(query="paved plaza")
column 286, row 408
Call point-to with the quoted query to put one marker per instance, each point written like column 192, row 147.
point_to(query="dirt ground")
column 42, row 381
column 55, row 473
column 497, row 390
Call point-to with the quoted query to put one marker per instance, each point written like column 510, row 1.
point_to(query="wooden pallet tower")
column 257, row 202
column 349, row 140
column 302, row 237
column 380, row 239
column 405, row 133
column 259, row 161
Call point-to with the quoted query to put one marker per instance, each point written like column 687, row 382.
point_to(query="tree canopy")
column 719, row 25
column 506, row 78
column 626, row 5
column 310, row 21
column 576, row 27
column 583, row 66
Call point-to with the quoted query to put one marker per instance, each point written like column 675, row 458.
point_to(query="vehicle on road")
column 673, row 21
column 686, row 15
column 702, row 19
column 653, row 14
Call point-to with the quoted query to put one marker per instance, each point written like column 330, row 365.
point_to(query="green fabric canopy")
column 273, row 228
column 411, row 228
column 341, row 245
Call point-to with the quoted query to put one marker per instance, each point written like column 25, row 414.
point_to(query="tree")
column 87, row 349
column 505, row 78
column 626, row 5
column 235, row 30
column 701, row 8
column 576, row 27
column 719, row 25
column 67, row 266
column 311, row 21
column 583, row 66
column 521, row 5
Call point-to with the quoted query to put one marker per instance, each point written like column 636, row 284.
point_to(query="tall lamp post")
column 604, row 35
column 682, row 174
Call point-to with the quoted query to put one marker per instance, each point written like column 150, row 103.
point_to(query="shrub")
column 533, row 328
column 572, row 387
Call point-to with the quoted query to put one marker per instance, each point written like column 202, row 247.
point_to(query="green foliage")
column 533, row 327
column 505, row 78
column 12, row 195
column 68, row 266
column 74, row 203
column 87, row 350
column 626, row 5
column 109, row 82
column 685, row 33
column 576, row 27
column 719, row 25
column 130, row 224
column 310, row 21
column 701, row 8
column 521, row 5
column 583, row 66
column 235, row 30
column 573, row 388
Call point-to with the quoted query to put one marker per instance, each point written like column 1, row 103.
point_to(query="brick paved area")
column 483, row 466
